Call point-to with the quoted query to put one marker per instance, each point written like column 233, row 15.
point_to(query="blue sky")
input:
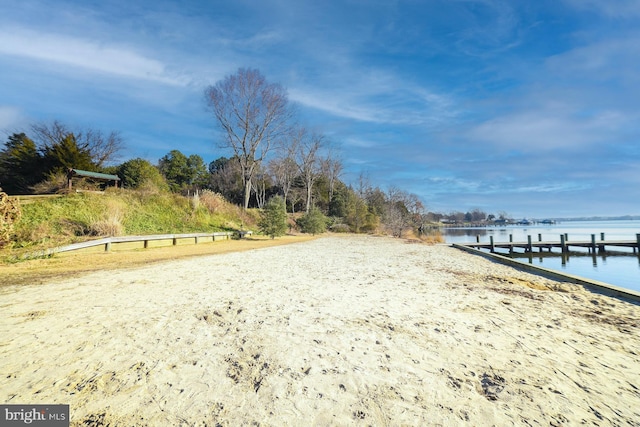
column 528, row 107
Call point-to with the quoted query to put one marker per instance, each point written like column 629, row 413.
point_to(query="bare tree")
column 259, row 186
column 307, row 158
column 225, row 178
column 102, row 148
column 403, row 210
column 331, row 168
column 284, row 171
column 253, row 115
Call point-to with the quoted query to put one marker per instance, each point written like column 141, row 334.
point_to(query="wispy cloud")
column 87, row 54
column 614, row 57
column 613, row 8
column 548, row 130
column 376, row 101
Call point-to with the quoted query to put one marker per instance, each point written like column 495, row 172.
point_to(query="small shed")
column 93, row 175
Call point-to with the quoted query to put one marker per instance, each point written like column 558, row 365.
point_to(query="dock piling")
column 563, row 243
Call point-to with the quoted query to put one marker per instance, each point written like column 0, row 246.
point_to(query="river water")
column 617, row 266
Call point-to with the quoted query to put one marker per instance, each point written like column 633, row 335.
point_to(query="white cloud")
column 87, row 54
column 614, row 57
column 384, row 101
column 548, row 130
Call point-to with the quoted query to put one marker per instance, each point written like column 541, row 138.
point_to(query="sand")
column 350, row 330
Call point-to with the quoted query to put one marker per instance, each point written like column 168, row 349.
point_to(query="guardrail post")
column 563, row 244
column 493, row 249
column 107, row 247
column 529, row 245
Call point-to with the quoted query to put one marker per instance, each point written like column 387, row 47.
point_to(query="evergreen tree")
column 137, row 172
column 273, row 218
column 66, row 154
column 20, row 165
column 182, row 171
column 313, row 222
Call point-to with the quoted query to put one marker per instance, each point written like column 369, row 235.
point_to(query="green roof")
column 106, row 176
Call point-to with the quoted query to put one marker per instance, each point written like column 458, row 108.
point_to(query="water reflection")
column 539, row 257
column 617, row 266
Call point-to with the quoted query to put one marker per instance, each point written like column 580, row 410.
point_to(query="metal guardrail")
column 108, row 241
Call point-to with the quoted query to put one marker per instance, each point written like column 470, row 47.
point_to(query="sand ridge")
column 353, row 330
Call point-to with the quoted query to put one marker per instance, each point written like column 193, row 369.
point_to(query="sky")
column 529, row 107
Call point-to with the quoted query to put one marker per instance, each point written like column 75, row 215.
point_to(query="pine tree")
column 273, row 218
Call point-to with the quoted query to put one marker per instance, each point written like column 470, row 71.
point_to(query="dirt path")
column 70, row 264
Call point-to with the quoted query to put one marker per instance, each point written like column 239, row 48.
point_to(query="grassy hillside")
column 77, row 217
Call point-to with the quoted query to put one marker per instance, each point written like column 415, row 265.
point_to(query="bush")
column 214, row 202
column 273, row 218
column 340, row 228
column 111, row 222
column 313, row 222
column 53, row 183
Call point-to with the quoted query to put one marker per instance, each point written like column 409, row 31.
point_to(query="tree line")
column 270, row 154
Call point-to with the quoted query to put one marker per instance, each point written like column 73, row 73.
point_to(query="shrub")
column 340, row 228
column 313, row 222
column 111, row 222
column 273, row 218
column 53, row 183
column 214, row 202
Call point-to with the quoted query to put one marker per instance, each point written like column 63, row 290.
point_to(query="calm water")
column 620, row 269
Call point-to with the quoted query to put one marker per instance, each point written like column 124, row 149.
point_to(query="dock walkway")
column 564, row 244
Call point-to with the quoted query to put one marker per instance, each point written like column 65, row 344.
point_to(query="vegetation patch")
column 77, row 217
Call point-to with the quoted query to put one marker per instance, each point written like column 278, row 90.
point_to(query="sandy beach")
column 352, row 330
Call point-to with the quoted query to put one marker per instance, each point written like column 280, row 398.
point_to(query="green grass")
column 78, row 217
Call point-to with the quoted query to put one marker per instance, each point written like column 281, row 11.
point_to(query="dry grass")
column 39, row 271
column 9, row 214
column 214, row 202
column 431, row 238
column 111, row 222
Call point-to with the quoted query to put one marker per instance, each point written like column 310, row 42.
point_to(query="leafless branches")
column 101, row 147
column 253, row 115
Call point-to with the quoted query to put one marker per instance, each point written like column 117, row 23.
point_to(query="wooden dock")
column 564, row 244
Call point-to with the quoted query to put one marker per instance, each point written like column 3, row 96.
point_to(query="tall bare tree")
column 331, row 167
column 253, row 114
column 284, row 170
column 259, row 186
column 307, row 158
